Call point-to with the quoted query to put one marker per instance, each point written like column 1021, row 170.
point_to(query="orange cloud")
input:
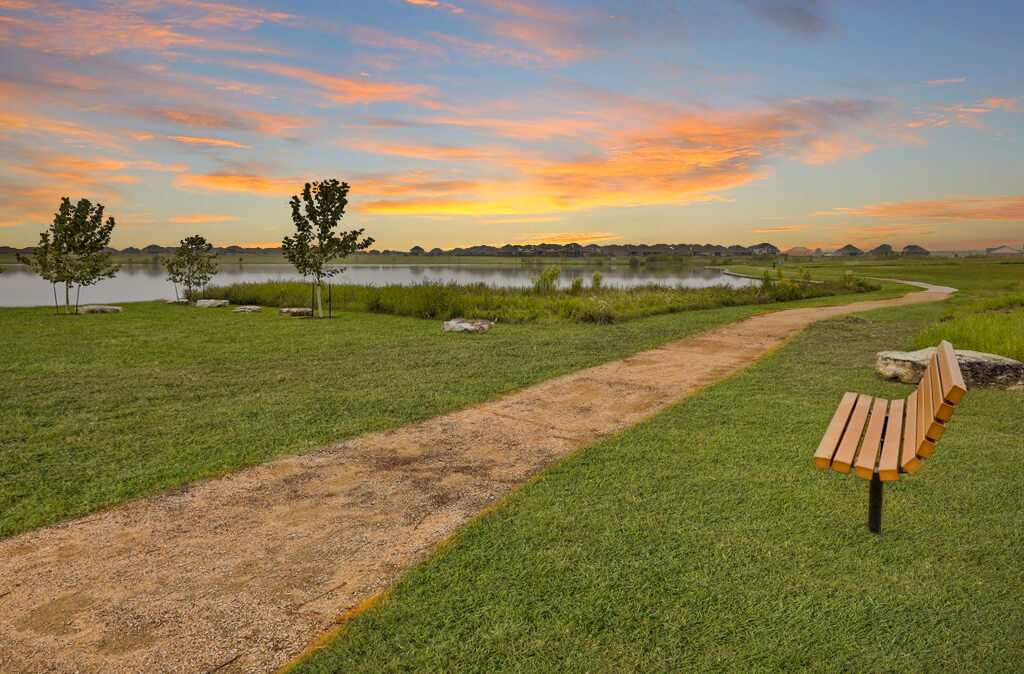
column 1008, row 104
column 439, row 5
column 951, row 208
column 191, row 140
column 227, row 182
column 346, row 89
column 784, row 228
column 204, row 218
column 566, row 237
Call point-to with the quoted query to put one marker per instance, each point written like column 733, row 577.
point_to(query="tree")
column 192, row 265
column 315, row 242
column 73, row 251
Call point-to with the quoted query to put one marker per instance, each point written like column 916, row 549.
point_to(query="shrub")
column 596, row 280
column 547, row 282
column 577, row 286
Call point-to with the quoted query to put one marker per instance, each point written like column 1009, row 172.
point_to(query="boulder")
column 98, row 309
column 178, row 301
column 980, row 370
column 212, row 304
column 467, row 325
column 247, row 309
column 295, row 311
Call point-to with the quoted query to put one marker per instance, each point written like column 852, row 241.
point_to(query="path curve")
column 240, row 573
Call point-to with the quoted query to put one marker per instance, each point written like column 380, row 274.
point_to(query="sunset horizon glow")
column 803, row 123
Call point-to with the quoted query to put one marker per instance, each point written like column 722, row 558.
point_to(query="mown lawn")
column 98, row 409
column 705, row 540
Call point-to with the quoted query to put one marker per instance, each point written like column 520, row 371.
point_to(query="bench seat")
column 890, row 437
column 882, row 439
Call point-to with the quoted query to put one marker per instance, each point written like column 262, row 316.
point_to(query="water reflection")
column 20, row 286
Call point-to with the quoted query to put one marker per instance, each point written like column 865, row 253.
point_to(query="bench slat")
column 889, row 463
column 909, row 461
column 834, row 433
column 953, row 386
column 927, row 429
column 851, row 437
column 864, row 466
column 942, row 410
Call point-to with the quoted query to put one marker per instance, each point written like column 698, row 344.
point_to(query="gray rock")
column 980, row 370
column 178, row 301
column 295, row 311
column 467, row 325
column 247, row 309
column 98, row 309
column 213, row 304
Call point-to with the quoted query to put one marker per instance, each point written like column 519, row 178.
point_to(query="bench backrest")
column 931, row 405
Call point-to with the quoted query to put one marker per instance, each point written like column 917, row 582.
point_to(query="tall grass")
column 522, row 305
column 994, row 325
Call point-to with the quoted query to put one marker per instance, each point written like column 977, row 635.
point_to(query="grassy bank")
column 967, row 274
column 518, row 305
column 994, row 325
column 704, row 540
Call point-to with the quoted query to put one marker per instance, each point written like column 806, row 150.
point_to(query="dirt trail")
column 241, row 572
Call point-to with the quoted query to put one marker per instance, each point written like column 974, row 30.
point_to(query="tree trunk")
column 67, row 297
column 78, row 292
column 56, row 304
column 319, row 299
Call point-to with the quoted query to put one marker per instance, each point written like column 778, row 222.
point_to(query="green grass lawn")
column 967, row 274
column 99, row 409
column 705, row 540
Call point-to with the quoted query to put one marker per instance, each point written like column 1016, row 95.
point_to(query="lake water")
column 20, row 286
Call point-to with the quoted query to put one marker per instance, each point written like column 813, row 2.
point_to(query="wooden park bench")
column 893, row 436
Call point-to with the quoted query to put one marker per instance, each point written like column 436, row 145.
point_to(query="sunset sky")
column 493, row 121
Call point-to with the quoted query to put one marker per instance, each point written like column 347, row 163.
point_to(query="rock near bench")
column 98, row 309
column 247, row 309
column 980, row 370
column 212, row 304
column 295, row 311
column 467, row 325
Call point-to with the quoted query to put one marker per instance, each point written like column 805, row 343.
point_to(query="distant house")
column 1004, row 251
column 849, row 250
column 153, row 248
column 417, row 250
column 915, row 250
column 884, row 249
column 764, row 249
column 436, row 251
column 737, row 251
column 798, row 252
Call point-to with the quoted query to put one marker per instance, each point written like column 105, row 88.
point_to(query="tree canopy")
column 316, row 213
column 73, row 251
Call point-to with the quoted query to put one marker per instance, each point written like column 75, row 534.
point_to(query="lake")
column 20, row 286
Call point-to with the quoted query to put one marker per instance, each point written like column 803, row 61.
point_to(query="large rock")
column 212, row 304
column 247, row 309
column 980, row 370
column 98, row 309
column 180, row 300
column 295, row 311
column 467, row 325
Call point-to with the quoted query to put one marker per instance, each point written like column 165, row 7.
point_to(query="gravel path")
column 240, row 573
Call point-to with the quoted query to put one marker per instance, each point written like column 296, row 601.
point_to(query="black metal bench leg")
column 875, row 505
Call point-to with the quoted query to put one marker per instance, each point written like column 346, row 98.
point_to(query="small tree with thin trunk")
column 192, row 265
column 315, row 244
column 73, row 252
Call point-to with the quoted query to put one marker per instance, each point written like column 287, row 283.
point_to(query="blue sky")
column 488, row 121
